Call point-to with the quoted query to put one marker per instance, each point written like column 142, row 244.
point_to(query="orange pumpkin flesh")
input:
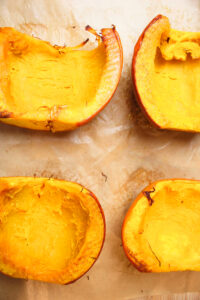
column 50, row 230
column 161, row 230
column 56, row 88
column 165, row 72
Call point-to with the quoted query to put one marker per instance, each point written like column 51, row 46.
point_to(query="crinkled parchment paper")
column 116, row 155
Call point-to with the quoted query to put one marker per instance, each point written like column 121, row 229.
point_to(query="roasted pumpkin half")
column 56, row 88
column 161, row 231
column 50, row 230
column 166, row 76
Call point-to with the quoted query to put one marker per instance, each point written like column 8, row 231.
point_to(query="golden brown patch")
column 139, row 179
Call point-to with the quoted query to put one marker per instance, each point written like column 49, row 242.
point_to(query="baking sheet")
column 115, row 155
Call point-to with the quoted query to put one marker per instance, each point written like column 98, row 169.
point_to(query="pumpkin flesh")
column 55, row 88
column 161, row 231
column 47, row 229
column 166, row 68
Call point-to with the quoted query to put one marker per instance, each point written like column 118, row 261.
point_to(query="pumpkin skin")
column 165, row 74
column 161, row 230
column 55, row 88
column 50, row 230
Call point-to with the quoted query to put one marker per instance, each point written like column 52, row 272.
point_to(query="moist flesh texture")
column 39, row 76
column 41, row 229
column 168, row 76
column 176, row 79
column 164, row 234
